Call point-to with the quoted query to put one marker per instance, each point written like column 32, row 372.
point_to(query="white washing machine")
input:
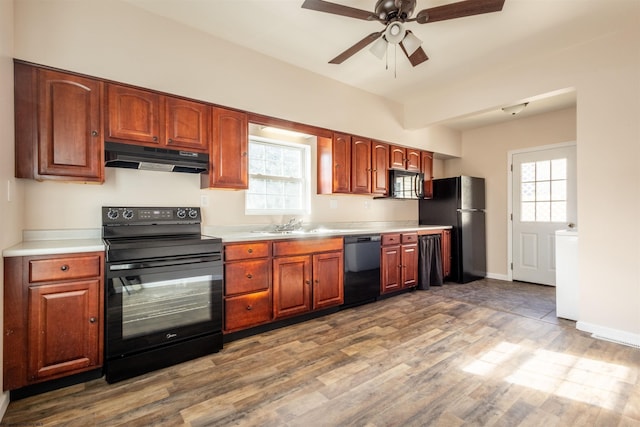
column 567, row 283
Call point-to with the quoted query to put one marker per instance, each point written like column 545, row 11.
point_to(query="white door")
column 544, row 200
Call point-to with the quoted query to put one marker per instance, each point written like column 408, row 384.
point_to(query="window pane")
column 543, row 170
column 559, row 190
column 528, row 192
column 558, row 211
column 528, row 211
column 543, row 211
column 543, row 191
column 559, row 169
column 528, row 172
column 278, row 177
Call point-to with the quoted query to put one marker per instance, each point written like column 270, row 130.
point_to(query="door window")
column 543, row 191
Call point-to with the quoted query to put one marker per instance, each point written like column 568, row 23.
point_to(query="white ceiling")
column 456, row 48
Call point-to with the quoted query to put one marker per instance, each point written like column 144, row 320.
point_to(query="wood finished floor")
column 487, row 353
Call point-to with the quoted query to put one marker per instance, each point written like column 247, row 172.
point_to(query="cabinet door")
column 70, row 126
column 134, row 115
column 229, row 150
column 446, row 253
column 390, row 269
column 187, row 124
column 413, row 160
column 360, row 165
column 380, row 166
column 328, row 289
column 397, row 157
column 341, row 152
column 63, row 329
column 291, row 285
column 409, row 265
column 426, row 167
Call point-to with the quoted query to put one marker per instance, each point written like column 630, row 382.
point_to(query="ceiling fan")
column 394, row 14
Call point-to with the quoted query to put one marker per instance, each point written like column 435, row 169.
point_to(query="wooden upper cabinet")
column 58, row 125
column 404, row 158
column 413, row 160
column 380, row 166
column 397, row 157
column 229, row 150
column 187, row 124
column 426, row 167
column 341, row 151
column 134, row 115
column 360, row 165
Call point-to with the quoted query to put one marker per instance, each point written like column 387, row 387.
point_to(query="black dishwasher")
column 361, row 269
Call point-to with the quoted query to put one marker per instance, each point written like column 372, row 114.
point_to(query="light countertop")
column 246, row 234
column 54, row 242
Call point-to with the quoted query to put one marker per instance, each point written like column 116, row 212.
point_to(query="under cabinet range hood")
column 128, row 156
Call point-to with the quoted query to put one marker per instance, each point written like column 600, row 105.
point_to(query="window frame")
column 305, row 150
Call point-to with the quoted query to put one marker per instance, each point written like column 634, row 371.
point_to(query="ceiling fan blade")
column 338, row 9
column 458, row 10
column 417, row 57
column 356, row 48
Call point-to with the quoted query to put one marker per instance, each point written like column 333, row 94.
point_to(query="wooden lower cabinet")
column 399, row 262
column 446, row 253
column 307, row 275
column 53, row 317
column 247, row 289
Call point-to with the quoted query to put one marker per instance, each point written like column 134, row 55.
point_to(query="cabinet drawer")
column 391, row 239
column 247, row 310
column 410, row 238
column 64, row 268
column 246, row 251
column 306, row 246
column 246, row 276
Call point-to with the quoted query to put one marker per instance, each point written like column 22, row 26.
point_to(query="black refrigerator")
column 460, row 203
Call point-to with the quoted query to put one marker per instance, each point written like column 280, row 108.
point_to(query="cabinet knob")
column 170, row 141
column 155, row 139
column 249, row 307
column 244, row 154
column 249, row 276
column 250, row 250
column 308, row 282
column 92, row 320
column 94, row 133
column 64, row 267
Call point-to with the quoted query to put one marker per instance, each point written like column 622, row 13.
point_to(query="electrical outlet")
column 367, row 204
column 204, row 200
column 333, row 204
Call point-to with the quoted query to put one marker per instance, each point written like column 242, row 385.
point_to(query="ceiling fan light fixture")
column 515, row 109
column 379, row 48
column 411, row 43
column 395, row 32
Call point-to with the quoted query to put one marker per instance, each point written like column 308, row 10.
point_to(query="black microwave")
column 405, row 185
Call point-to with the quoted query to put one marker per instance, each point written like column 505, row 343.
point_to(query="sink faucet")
column 292, row 225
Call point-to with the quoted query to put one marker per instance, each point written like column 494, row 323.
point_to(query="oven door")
column 156, row 302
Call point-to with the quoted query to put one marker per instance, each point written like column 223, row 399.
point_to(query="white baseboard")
column 610, row 334
column 4, row 403
column 498, row 276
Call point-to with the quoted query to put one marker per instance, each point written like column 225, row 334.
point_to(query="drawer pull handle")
column 94, row 133
column 92, row 320
column 308, row 282
column 249, row 307
column 170, row 141
column 249, row 276
column 64, row 267
column 250, row 250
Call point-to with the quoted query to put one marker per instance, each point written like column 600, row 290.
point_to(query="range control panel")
column 149, row 215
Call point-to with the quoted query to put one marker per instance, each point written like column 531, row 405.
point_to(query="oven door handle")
column 163, row 263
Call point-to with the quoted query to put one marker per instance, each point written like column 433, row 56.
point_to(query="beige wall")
column 10, row 211
column 484, row 154
column 605, row 72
